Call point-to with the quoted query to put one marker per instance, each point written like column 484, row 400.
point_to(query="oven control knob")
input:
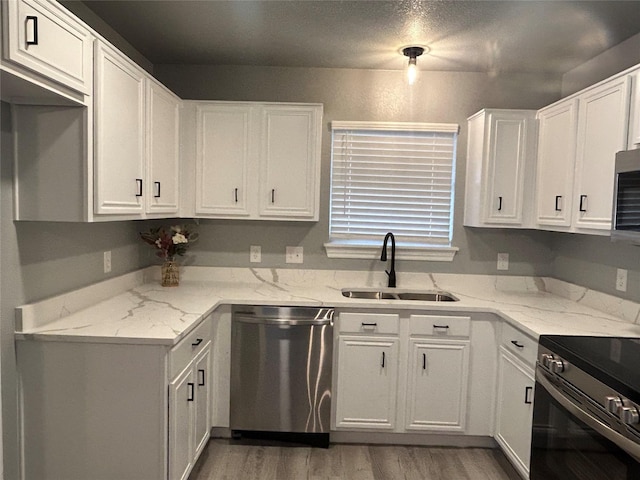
column 612, row 404
column 557, row 366
column 545, row 359
column 629, row 415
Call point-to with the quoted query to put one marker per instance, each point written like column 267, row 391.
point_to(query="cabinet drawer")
column 368, row 323
column 522, row 345
column 189, row 347
column 439, row 325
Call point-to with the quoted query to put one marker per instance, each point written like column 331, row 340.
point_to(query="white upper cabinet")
column 43, row 37
column 500, row 157
column 603, row 116
column 252, row 160
column 163, row 150
column 556, row 163
column 119, row 133
column 290, row 162
column 634, row 114
column 223, row 159
column 137, row 145
column 634, row 122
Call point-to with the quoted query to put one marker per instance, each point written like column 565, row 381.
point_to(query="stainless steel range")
column 586, row 420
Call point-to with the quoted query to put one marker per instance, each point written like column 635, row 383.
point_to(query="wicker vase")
column 170, row 274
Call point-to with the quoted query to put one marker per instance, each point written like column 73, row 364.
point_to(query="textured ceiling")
column 493, row 36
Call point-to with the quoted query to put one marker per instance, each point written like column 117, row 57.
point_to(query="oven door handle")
column 629, row 446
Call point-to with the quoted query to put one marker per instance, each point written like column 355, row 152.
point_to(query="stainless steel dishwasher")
column 281, row 369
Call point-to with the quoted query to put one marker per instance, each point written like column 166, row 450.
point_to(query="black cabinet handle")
column 424, row 361
column 235, row 194
column 365, row 324
column 558, row 198
column 157, row 194
column 139, row 184
column 191, row 391
column 499, row 203
column 273, row 195
column 383, row 359
column 527, row 397
column 34, row 19
column 445, row 327
column 197, row 342
column 582, row 200
column 515, row 342
column 200, row 377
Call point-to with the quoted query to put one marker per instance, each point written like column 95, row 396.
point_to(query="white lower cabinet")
column 109, row 411
column 367, row 382
column 515, row 410
column 402, row 373
column 189, row 407
column 437, row 386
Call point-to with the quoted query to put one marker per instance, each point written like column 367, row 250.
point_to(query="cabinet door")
column 119, row 134
column 515, row 410
column 202, row 425
column 602, row 131
column 223, row 154
column 506, row 153
column 367, row 382
column 556, row 164
column 46, row 39
column 181, row 431
column 290, row 161
column 437, row 388
column 163, row 149
column 634, row 121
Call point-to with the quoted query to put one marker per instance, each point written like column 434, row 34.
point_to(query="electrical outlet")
column 294, row 255
column 503, row 261
column 255, row 254
column 621, row 280
column 107, row 261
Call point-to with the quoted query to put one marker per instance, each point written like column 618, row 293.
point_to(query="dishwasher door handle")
column 284, row 321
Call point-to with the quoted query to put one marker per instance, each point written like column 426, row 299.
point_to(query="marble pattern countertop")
column 134, row 308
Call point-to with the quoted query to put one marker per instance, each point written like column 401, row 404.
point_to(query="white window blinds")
column 392, row 177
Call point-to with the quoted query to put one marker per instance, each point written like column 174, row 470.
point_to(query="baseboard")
column 420, row 439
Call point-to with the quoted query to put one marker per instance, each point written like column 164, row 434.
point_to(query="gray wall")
column 40, row 260
column 616, row 59
column 446, row 97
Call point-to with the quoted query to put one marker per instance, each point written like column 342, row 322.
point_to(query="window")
column 392, row 177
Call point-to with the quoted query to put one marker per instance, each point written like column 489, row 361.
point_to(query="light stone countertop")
column 135, row 309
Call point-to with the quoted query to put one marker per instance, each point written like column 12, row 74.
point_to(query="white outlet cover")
column 621, row 280
column 503, row 261
column 255, row 254
column 294, row 255
column 107, row 261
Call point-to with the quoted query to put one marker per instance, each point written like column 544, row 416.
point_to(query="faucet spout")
column 383, row 258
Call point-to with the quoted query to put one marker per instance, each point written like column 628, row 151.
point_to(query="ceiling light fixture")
column 413, row 53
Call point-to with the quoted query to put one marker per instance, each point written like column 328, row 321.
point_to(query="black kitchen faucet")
column 383, row 258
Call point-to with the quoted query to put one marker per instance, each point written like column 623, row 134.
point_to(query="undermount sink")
column 432, row 296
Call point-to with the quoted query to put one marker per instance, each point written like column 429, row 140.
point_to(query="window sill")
column 403, row 252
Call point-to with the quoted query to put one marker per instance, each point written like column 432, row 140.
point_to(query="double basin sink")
column 423, row 296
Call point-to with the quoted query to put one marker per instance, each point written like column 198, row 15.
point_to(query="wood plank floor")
column 227, row 460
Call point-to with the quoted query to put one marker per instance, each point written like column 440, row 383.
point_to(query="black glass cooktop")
column 614, row 361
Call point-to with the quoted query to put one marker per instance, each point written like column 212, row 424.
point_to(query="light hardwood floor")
column 227, row 460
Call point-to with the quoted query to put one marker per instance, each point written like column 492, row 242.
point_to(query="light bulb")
column 412, row 71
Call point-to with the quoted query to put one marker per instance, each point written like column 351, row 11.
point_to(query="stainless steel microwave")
column 626, row 197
